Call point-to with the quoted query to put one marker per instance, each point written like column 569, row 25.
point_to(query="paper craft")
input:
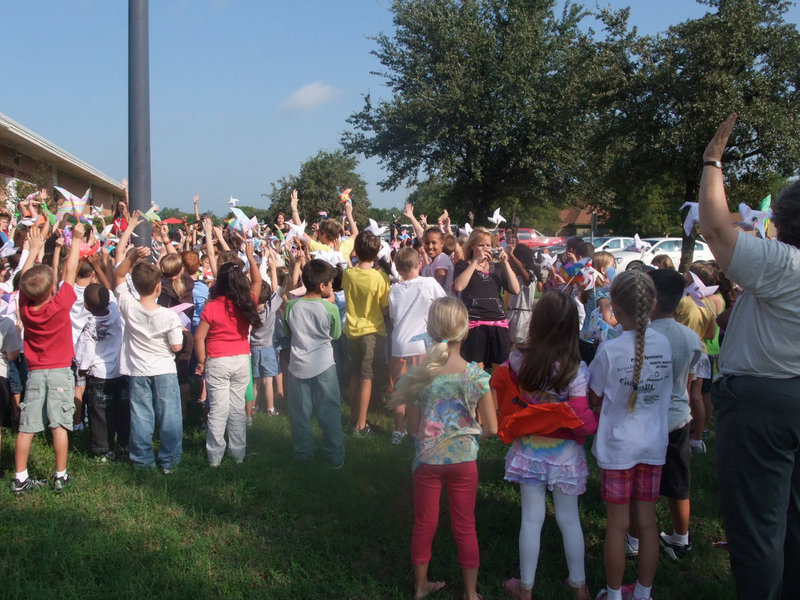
column 8, row 249
column 331, row 256
column 373, row 227
column 692, row 217
column 72, row 206
column 181, row 307
column 152, row 214
column 640, row 245
column 466, row 231
column 753, row 219
column 233, row 201
column 546, row 261
column 97, row 211
column 698, row 290
column 295, row 231
column 345, row 196
column 497, row 218
column 323, row 214
column 32, row 196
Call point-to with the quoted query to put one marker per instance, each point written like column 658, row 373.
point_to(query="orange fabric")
column 517, row 418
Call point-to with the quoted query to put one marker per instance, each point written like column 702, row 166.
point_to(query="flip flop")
column 513, row 586
column 435, row 586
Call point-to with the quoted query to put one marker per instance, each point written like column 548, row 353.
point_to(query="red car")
column 535, row 239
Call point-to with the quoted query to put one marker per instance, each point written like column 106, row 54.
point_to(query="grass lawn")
column 270, row 528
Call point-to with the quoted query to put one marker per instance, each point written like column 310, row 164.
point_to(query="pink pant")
column 461, row 481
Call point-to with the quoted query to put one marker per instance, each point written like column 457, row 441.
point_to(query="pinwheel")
column 698, row 290
column 692, row 216
column 754, row 219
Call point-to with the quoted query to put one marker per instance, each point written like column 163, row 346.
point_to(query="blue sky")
column 242, row 91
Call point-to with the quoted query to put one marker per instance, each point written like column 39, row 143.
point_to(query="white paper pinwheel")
column 233, row 201
column 73, row 206
column 753, row 219
column 497, row 218
column 466, row 231
column 546, row 261
column 295, row 231
column 640, row 245
column 373, row 227
column 698, row 290
column 8, row 249
column 692, row 217
column 330, row 256
column 152, row 213
column 97, row 210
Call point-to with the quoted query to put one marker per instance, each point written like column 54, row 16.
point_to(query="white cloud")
column 310, row 96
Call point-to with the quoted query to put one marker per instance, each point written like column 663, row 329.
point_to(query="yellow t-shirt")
column 366, row 293
column 695, row 318
column 345, row 247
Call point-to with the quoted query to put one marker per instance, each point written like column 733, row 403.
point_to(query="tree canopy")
column 320, row 181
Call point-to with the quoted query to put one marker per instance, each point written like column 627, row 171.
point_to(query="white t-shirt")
column 97, row 350
column 78, row 313
column 441, row 262
column 625, row 439
column 762, row 333
column 10, row 341
column 148, row 336
column 686, row 352
column 409, row 302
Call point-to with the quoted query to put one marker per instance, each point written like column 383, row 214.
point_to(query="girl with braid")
column 630, row 382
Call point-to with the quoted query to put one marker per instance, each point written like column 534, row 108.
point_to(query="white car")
column 609, row 244
column 669, row 246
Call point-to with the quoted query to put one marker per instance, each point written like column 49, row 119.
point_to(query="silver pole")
column 139, row 114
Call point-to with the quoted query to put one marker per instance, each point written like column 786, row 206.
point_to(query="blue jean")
column 320, row 392
column 155, row 401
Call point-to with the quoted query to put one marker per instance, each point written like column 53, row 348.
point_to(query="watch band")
column 712, row 163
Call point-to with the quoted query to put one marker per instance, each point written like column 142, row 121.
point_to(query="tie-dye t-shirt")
column 448, row 431
column 542, row 460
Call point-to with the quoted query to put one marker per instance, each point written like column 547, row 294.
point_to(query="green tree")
column 487, row 96
column 663, row 97
column 321, row 180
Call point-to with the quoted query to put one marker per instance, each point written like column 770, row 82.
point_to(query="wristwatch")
column 712, row 163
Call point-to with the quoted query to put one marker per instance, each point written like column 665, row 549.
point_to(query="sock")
column 640, row 592
column 677, row 538
column 632, row 541
column 613, row 594
column 22, row 476
column 61, row 474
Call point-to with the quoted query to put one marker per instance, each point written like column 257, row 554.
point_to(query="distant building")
column 24, row 155
column 578, row 221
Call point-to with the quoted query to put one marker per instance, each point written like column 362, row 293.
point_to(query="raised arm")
column 348, row 211
column 221, row 238
column 715, row 221
column 125, row 238
column 408, row 212
column 35, row 244
column 293, row 201
column 196, row 201
column 255, row 274
column 125, row 265
column 74, row 256
column 210, row 250
column 513, row 282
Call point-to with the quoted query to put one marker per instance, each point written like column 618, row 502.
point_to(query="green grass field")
column 271, row 528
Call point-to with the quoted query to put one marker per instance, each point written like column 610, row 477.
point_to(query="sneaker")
column 363, row 433
column 20, row 487
column 630, row 551
column 101, row 459
column 168, row 470
column 672, row 549
column 77, row 427
column 249, row 421
column 272, row 412
column 627, row 592
column 698, row 446
column 398, row 437
column 59, row 483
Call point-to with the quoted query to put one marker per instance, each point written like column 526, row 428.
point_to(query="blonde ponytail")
column 447, row 322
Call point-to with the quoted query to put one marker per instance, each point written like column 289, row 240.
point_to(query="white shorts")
column 703, row 370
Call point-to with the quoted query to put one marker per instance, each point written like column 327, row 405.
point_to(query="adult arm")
column 255, row 274
column 511, row 278
column 294, row 199
column 714, row 215
column 74, row 256
column 461, row 282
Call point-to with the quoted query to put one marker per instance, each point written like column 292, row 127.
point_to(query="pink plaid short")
column 640, row 482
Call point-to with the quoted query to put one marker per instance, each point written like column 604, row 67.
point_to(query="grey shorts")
column 49, row 400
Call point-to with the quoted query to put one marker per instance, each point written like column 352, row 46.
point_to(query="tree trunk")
column 687, row 248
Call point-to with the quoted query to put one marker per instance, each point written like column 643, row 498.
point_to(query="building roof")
column 23, row 139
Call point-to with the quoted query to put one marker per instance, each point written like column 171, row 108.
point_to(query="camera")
column 495, row 253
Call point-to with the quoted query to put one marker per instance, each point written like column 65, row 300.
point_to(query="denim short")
column 49, row 400
column 17, row 374
column 265, row 361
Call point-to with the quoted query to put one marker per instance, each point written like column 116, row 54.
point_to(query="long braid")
column 644, row 304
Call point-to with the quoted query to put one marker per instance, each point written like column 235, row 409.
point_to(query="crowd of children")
column 253, row 314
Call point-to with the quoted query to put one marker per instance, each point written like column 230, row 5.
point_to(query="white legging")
column 530, row 532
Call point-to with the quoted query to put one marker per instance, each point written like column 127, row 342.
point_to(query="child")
column 151, row 338
column 442, row 396
column 223, row 336
column 600, row 323
column 312, row 322
column 49, row 352
column 366, row 293
column 548, row 369
column 520, row 305
column 97, row 358
column 262, row 350
column 409, row 302
column 10, row 346
column 686, row 352
column 631, row 381
column 437, row 264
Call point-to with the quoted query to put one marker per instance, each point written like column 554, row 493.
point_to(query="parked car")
column 609, row 244
column 669, row 246
column 535, row 239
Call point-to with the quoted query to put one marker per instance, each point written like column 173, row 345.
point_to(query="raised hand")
column 293, row 200
column 716, row 147
column 135, row 219
column 408, row 211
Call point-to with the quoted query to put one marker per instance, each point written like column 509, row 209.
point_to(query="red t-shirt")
column 48, row 330
column 229, row 331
